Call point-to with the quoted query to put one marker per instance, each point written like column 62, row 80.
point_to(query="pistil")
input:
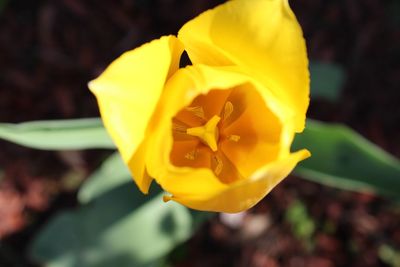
column 207, row 133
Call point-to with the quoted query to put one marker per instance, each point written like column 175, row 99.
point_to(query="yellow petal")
column 244, row 194
column 179, row 92
column 259, row 137
column 199, row 188
column 128, row 92
column 264, row 38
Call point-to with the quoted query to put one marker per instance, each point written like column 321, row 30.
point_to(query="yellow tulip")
column 215, row 135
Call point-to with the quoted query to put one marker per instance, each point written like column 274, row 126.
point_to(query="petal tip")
column 144, row 190
column 91, row 85
column 167, row 198
column 304, row 154
column 143, row 183
column 95, row 86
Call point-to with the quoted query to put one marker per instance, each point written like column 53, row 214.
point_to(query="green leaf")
column 117, row 226
column 112, row 173
column 122, row 227
column 303, row 226
column 326, row 80
column 58, row 134
column 342, row 158
column 389, row 255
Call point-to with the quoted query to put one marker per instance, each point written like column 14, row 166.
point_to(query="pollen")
column 197, row 111
column 234, row 138
column 191, row 155
column 228, row 109
column 218, row 165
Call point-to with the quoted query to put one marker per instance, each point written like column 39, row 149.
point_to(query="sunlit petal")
column 246, row 193
column 261, row 36
column 128, row 92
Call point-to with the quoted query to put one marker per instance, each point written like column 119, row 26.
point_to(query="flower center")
column 208, row 133
column 224, row 132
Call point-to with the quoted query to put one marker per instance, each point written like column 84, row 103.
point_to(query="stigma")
column 208, row 133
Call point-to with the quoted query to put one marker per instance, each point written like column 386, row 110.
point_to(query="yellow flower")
column 215, row 135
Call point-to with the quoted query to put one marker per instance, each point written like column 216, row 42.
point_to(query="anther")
column 179, row 128
column 228, row 109
column 191, row 155
column 234, row 138
column 218, row 165
column 197, row 111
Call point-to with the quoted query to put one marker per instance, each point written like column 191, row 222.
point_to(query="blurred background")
column 49, row 50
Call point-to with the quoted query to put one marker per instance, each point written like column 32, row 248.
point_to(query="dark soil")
column 51, row 49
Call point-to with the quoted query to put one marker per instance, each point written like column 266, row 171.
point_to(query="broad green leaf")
column 58, row 134
column 122, row 227
column 326, row 80
column 112, row 173
column 344, row 159
column 117, row 226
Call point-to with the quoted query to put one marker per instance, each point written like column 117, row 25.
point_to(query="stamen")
column 228, row 109
column 178, row 128
column 197, row 111
column 191, row 155
column 218, row 165
column 234, row 137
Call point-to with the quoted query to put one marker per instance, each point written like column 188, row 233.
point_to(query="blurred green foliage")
column 327, row 80
column 3, row 3
column 389, row 255
column 344, row 159
column 393, row 11
column 112, row 173
column 118, row 226
column 115, row 226
column 303, row 226
column 58, row 135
